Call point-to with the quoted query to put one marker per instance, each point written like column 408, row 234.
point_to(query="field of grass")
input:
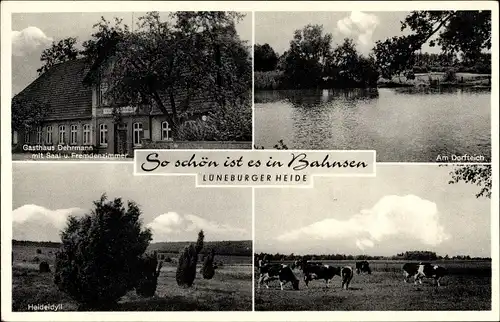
column 229, row 290
column 467, row 287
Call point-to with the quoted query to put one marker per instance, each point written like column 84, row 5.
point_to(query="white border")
column 8, row 7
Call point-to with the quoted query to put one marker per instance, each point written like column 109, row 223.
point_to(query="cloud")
column 36, row 223
column 28, row 40
column 171, row 224
column 408, row 217
column 359, row 26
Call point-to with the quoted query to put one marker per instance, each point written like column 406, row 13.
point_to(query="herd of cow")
column 317, row 271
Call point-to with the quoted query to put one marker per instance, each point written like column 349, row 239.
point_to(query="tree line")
column 407, row 255
column 311, row 61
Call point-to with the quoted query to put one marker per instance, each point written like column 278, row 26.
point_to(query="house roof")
column 62, row 87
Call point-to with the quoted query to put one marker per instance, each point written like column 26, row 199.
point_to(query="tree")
column 208, row 269
column 464, row 33
column 59, row 52
column 306, row 58
column 188, row 259
column 479, row 175
column 99, row 260
column 265, row 58
column 27, row 113
column 169, row 64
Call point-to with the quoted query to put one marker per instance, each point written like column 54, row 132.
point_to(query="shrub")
column 228, row 123
column 186, row 266
column 149, row 270
column 208, row 269
column 450, row 76
column 44, row 267
column 101, row 253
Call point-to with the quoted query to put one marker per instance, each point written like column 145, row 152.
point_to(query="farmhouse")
column 81, row 118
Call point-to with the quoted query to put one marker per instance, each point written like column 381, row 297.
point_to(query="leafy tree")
column 27, row 113
column 59, row 52
column 466, row 33
column 167, row 63
column 306, row 58
column 100, row 256
column 265, row 58
column 479, row 175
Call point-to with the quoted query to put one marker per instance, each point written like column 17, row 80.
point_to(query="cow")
column 430, row 271
column 363, row 266
column 347, row 274
column 317, row 271
column 409, row 269
column 282, row 272
column 421, row 270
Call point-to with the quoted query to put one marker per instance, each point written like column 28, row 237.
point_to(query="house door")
column 121, row 139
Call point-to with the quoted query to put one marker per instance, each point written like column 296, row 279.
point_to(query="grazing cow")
column 409, row 269
column 363, row 266
column 283, row 273
column 315, row 271
column 421, row 270
column 347, row 274
column 430, row 271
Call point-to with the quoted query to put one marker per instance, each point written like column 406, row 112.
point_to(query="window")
column 86, row 134
column 103, row 134
column 74, row 134
column 166, row 131
column 138, row 132
column 39, row 135
column 27, row 136
column 49, row 135
column 62, row 134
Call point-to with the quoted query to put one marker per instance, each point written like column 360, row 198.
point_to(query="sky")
column 365, row 28
column 171, row 206
column 34, row 32
column 405, row 207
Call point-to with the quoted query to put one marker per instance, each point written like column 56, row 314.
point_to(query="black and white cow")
column 281, row 272
column 347, row 274
column 318, row 271
column 421, row 270
column 363, row 266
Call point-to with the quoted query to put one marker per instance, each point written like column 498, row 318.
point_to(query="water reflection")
column 402, row 125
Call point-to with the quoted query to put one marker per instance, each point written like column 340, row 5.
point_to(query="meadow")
column 229, row 290
column 467, row 287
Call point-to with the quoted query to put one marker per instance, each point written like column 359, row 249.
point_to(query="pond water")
column 401, row 124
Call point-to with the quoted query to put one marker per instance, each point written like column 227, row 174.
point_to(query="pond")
column 401, row 124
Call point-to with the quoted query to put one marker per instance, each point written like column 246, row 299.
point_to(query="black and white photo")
column 112, row 241
column 99, row 85
column 414, row 86
column 405, row 240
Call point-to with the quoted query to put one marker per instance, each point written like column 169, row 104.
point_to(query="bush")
column 450, row 76
column 268, row 80
column 149, row 270
column 101, row 254
column 44, row 267
column 186, row 266
column 208, row 269
column 229, row 123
